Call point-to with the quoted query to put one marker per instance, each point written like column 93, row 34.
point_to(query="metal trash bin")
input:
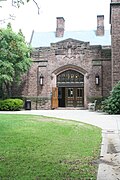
column 27, row 104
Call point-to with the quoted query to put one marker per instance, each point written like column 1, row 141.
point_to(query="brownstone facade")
column 115, row 43
column 67, row 55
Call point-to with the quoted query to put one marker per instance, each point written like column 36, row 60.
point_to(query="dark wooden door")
column 61, row 96
column 74, row 97
column 79, row 97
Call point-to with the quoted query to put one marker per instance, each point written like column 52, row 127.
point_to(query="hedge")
column 11, row 104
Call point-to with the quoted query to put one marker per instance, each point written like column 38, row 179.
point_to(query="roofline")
column 113, row 4
column 70, row 39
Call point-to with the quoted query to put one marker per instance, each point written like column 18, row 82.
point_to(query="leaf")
column 14, row 58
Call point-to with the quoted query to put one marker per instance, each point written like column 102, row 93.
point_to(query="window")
column 70, row 76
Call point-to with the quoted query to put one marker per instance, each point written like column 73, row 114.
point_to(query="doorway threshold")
column 70, row 108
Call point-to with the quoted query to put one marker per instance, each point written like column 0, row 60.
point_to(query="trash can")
column 27, row 104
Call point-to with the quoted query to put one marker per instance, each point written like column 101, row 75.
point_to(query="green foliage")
column 11, row 105
column 17, row 3
column 112, row 104
column 14, row 58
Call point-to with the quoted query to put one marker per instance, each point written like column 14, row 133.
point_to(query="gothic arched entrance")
column 70, row 85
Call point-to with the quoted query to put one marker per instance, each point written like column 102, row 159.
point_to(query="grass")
column 42, row 148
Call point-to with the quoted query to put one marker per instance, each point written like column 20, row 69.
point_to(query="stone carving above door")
column 71, row 48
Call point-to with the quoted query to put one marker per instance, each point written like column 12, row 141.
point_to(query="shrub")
column 11, row 104
column 112, row 104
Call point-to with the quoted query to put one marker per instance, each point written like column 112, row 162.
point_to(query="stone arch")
column 69, row 67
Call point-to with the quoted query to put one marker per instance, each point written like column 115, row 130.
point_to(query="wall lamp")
column 97, row 79
column 41, row 80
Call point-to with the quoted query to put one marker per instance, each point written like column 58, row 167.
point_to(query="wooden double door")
column 70, row 96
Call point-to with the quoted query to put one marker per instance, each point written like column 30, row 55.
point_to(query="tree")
column 112, row 104
column 14, row 59
column 18, row 3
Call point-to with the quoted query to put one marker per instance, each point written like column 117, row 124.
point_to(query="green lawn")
column 42, row 148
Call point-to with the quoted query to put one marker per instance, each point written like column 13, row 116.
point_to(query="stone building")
column 71, row 68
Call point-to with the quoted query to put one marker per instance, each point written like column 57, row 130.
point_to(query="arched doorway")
column 70, row 85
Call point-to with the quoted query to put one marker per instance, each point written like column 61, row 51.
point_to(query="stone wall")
column 39, row 102
column 106, row 77
column 115, row 32
column 115, row 0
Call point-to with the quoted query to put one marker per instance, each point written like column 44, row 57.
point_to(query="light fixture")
column 41, row 80
column 97, row 79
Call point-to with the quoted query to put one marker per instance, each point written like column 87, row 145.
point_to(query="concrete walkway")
column 109, row 163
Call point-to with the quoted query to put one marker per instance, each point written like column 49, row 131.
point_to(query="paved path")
column 109, row 163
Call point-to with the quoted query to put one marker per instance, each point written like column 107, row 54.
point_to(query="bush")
column 11, row 105
column 112, row 104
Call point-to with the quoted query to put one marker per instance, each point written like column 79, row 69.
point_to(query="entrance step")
column 70, row 108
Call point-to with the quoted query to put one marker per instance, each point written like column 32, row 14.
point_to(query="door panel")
column 54, row 97
column 74, row 97
column 61, row 96
column 79, row 97
column 69, row 97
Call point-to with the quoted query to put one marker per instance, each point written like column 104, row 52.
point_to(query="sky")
column 78, row 15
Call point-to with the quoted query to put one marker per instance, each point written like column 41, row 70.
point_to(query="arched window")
column 70, row 77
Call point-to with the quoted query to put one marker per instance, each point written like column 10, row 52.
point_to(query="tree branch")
column 37, row 6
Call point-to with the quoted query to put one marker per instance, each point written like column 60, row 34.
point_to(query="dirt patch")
column 111, row 149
